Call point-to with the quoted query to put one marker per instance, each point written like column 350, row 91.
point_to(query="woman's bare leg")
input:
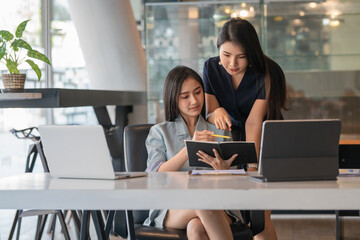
column 269, row 232
column 195, row 230
column 215, row 222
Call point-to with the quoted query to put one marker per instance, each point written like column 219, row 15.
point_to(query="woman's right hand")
column 221, row 119
column 204, row 135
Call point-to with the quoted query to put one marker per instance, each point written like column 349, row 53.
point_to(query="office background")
column 315, row 42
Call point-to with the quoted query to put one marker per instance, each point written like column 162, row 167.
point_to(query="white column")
column 189, row 37
column 111, row 44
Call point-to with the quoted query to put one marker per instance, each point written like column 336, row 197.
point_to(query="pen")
column 221, row 136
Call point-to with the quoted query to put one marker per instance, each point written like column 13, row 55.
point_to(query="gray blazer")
column 166, row 139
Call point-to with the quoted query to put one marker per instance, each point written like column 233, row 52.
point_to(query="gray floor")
column 311, row 227
column 290, row 227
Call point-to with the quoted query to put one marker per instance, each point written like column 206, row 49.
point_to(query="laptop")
column 79, row 151
column 299, row 150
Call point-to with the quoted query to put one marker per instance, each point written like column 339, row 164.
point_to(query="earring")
column 249, row 65
column 220, row 63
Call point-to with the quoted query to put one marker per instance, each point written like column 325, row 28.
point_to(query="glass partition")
column 183, row 34
column 315, row 42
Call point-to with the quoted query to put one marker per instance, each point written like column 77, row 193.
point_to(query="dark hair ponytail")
column 276, row 89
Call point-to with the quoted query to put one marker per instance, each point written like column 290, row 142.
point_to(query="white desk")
column 176, row 190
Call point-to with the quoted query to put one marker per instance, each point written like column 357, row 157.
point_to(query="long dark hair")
column 240, row 32
column 172, row 88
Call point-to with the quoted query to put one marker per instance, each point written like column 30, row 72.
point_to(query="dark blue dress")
column 238, row 103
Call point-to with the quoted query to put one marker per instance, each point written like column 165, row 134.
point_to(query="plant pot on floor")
column 13, row 82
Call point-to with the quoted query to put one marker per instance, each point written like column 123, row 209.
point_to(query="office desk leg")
column 84, row 229
column 130, row 225
column 109, row 223
column 339, row 226
column 13, row 226
column 98, row 223
column 114, row 135
column 61, row 218
column 77, row 223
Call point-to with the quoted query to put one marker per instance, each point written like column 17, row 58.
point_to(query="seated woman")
column 184, row 112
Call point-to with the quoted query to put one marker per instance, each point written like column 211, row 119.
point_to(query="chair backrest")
column 349, row 155
column 135, row 156
column 135, row 152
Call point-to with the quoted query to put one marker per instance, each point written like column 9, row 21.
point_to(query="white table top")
column 176, row 190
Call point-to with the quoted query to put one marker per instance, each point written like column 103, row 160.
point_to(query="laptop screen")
column 77, row 151
column 287, row 144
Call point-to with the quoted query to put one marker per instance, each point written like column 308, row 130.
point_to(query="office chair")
column 349, row 154
column 135, row 155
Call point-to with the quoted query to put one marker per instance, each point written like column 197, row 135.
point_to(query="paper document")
column 218, row 172
column 349, row 172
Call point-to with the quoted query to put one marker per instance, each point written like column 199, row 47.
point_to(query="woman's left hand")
column 216, row 162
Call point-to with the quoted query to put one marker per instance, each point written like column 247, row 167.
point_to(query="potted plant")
column 15, row 51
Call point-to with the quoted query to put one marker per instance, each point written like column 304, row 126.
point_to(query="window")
column 12, row 157
column 315, row 43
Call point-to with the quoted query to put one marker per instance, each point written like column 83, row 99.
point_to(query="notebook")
column 245, row 150
column 79, row 151
column 298, row 150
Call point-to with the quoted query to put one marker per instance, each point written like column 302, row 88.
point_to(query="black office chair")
column 349, row 155
column 135, row 155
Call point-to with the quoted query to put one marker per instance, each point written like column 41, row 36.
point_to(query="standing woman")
column 243, row 87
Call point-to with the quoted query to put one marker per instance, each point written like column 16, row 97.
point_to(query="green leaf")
column 12, row 66
column 21, row 44
column 2, row 50
column 35, row 67
column 35, row 54
column 20, row 29
column 6, row 35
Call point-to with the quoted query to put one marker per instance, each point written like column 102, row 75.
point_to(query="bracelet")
column 252, row 165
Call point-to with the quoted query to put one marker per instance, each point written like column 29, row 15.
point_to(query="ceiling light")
column 278, row 18
column 312, row 4
column 326, row 21
column 297, row 22
column 193, row 13
column 334, row 23
column 335, row 13
column 244, row 13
